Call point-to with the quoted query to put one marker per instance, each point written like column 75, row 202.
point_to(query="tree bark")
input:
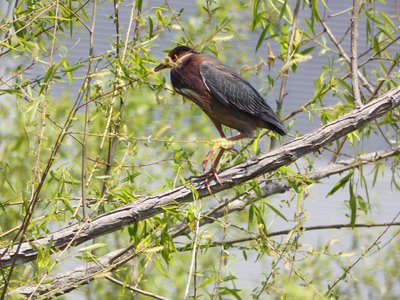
column 230, row 177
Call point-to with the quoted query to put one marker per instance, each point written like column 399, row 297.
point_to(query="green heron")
column 221, row 93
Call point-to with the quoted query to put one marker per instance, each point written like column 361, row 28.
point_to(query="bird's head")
column 173, row 57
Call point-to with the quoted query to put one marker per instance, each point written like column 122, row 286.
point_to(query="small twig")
column 383, row 135
column 375, row 55
column 86, row 122
column 232, row 242
column 20, row 235
column 383, row 80
column 336, row 152
column 288, row 55
column 343, row 53
column 194, row 257
column 134, row 289
column 285, row 74
column 375, row 243
column 340, row 13
column 179, row 23
column 222, row 255
column 73, row 13
column 37, row 14
column 112, row 144
column 354, row 55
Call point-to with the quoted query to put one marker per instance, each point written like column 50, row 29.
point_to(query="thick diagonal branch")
column 67, row 281
column 273, row 187
column 252, row 168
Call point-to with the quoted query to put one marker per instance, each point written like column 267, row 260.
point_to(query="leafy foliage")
column 87, row 123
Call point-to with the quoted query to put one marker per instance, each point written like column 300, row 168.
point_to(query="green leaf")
column 92, row 247
column 255, row 14
column 49, row 74
column 341, row 183
column 307, row 50
column 139, row 5
column 281, row 13
column 362, row 204
column 251, row 216
column 277, row 212
column 72, row 68
column 353, row 205
column 394, row 182
column 51, row 71
column 151, row 26
column 376, row 172
column 385, row 31
column 388, row 21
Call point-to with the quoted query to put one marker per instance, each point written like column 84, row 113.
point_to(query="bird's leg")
column 238, row 137
column 214, row 163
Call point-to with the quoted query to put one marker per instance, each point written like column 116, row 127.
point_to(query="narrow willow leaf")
column 261, row 38
column 151, row 26
column 255, row 14
column 341, row 183
column 353, row 205
column 139, row 5
column 250, row 217
column 277, row 212
column 92, row 247
column 281, row 13
column 72, row 68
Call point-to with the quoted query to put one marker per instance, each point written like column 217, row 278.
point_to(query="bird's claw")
column 231, row 150
column 214, row 163
column 212, row 172
column 206, row 177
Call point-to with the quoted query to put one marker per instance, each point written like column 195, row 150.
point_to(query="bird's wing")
column 232, row 90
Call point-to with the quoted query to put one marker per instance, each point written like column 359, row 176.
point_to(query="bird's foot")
column 207, row 176
column 211, row 173
column 214, row 158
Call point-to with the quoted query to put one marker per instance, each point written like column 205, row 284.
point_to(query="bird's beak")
column 161, row 66
column 164, row 65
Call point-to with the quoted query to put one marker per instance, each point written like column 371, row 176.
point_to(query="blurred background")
column 162, row 139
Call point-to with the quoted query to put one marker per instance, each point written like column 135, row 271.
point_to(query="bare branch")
column 374, row 244
column 287, row 231
column 288, row 56
column 354, row 54
column 135, row 289
column 66, row 282
column 84, row 184
column 149, row 206
column 71, row 280
column 194, row 258
column 343, row 53
column 273, row 186
column 287, row 59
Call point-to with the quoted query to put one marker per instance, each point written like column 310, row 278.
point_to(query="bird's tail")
column 277, row 127
column 270, row 120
